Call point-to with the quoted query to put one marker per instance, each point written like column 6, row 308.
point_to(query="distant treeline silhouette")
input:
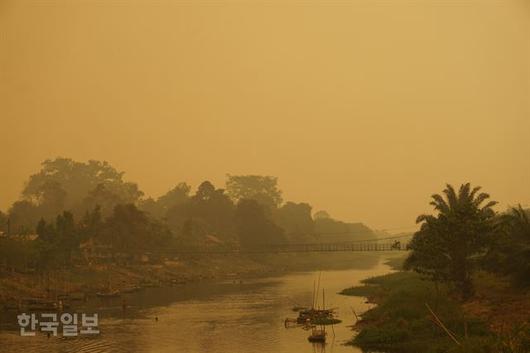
column 69, row 211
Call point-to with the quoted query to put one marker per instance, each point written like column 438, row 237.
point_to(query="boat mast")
column 318, row 288
column 313, row 299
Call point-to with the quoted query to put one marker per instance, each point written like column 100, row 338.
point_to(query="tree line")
column 69, row 204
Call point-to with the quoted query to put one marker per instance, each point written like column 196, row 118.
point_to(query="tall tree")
column 321, row 215
column 296, row 220
column 429, row 256
column 23, row 216
column 254, row 227
column 159, row 208
column 214, row 207
column 3, row 223
column 103, row 198
column 329, row 229
column 263, row 189
column 450, row 241
column 209, row 210
column 59, row 241
column 131, row 231
column 64, row 184
column 510, row 252
column 92, row 224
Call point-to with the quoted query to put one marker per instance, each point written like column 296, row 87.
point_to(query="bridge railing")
column 328, row 247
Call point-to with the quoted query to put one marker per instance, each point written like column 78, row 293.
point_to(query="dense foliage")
column 509, row 253
column 88, row 211
column 401, row 321
column 466, row 234
column 63, row 184
column 449, row 242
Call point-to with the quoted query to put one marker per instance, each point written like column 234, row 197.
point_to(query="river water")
column 220, row 317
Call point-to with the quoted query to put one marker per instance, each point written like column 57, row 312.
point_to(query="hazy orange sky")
column 362, row 108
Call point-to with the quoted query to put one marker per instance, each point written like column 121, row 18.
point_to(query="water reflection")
column 221, row 317
column 321, row 347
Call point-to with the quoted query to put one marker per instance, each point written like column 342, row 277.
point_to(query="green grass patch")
column 401, row 322
column 397, row 262
column 360, row 291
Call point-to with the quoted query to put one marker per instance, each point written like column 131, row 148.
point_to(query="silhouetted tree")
column 449, row 241
column 92, row 224
column 296, row 220
column 263, row 189
column 321, row 215
column 57, row 242
column 23, row 216
column 129, row 230
column 3, row 222
column 510, row 252
column 177, row 196
column 103, row 197
column 254, row 228
column 329, row 229
column 210, row 210
column 429, row 256
column 64, row 184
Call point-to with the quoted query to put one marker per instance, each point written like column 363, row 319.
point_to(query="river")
column 220, row 316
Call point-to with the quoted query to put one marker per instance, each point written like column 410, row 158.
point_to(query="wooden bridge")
column 342, row 246
column 396, row 243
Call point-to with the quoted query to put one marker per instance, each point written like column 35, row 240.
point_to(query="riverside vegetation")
column 79, row 226
column 467, row 284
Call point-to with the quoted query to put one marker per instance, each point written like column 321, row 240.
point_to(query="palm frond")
column 452, row 200
column 427, row 218
column 439, row 203
column 489, row 205
column 463, row 193
column 522, row 214
column 474, row 192
column 480, row 199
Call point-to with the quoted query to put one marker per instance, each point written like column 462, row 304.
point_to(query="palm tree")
column 512, row 252
column 449, row 241
column 518, row 219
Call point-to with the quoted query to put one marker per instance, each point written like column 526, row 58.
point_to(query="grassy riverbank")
column 401, row 321
column 189, row 268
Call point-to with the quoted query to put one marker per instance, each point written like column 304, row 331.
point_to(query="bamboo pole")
column 355, row 314
column 440, row 323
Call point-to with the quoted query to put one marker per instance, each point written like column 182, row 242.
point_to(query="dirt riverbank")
column 104, row 277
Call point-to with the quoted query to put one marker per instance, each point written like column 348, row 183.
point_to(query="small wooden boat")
column 315, row 316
